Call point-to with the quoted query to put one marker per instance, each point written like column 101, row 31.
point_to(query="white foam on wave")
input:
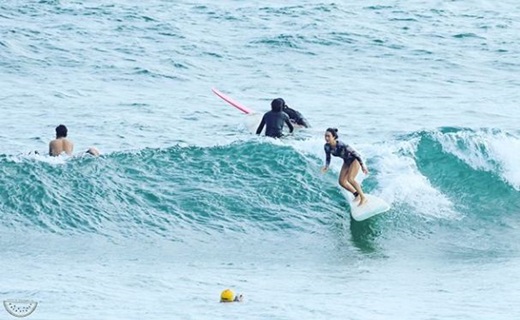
column 58, row 160
column 401, row 182
column 507, row 151
column 486, row 150
column 40, row 158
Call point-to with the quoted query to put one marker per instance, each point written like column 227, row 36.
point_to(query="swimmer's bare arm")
column 68, row 147
column 327, row 159
column 52, row 148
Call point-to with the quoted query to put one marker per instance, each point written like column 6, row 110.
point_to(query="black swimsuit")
column 344, row 151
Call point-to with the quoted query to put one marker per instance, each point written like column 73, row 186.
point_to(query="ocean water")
column 185, row 201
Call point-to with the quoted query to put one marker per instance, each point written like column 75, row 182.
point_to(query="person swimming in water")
column 352, row 162
column 62, row 145
column 295, row 116
column 274, row 120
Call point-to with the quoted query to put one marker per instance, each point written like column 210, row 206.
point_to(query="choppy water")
column 185, row 202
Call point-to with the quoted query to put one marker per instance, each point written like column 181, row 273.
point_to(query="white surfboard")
column 372, row 207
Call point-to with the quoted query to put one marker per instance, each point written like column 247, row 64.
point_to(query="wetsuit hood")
column 277, row 105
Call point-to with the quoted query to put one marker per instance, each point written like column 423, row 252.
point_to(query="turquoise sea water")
column 186, row 202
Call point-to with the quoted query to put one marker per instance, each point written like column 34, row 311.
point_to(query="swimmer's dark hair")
column 333, row 132
column 277, row 105
column 61, row 131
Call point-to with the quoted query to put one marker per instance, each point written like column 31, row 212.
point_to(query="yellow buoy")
column 227, row 296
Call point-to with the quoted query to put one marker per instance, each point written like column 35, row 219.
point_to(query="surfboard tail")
column 372, row 207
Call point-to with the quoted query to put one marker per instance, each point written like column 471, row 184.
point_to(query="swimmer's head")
column 277, row 104
column 331, row 134
column 61, row 131
column 227, row 296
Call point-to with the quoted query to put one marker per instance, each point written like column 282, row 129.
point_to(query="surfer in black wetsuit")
column 274, row 120
column 352, row 162
column 295, row 116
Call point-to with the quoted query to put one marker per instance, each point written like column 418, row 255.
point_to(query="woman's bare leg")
column 352, row 172
column 343, row 179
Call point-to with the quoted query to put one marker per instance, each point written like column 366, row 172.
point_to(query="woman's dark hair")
column 61, row 131
column 333, row 132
